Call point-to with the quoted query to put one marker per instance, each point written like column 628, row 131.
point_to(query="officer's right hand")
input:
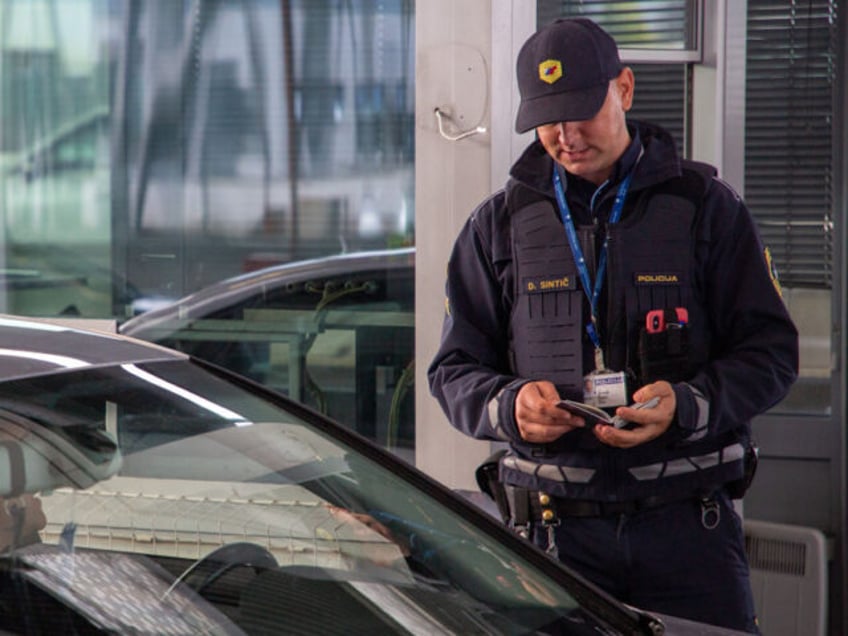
column 539, row 418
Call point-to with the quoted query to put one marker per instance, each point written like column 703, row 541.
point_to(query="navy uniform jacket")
column 751, row 361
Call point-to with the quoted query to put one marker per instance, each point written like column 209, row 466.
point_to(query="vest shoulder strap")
column 692, row 184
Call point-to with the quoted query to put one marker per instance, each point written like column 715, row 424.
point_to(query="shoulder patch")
column 775, row 279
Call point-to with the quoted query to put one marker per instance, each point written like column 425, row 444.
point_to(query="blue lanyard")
column 593, row 293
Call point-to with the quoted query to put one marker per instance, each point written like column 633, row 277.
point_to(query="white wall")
column 718, row 91
column 452, row 73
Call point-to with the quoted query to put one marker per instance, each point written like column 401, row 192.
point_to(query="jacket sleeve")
column 470, row 374
column 754, row 350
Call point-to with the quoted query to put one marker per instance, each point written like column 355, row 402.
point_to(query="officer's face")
column 590, row 148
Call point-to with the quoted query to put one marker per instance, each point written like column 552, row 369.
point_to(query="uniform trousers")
column 682, row 559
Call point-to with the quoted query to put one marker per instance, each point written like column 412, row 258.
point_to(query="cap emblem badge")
column 550, row 71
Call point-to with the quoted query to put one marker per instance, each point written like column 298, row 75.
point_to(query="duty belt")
column 649, row 472
column 540, row 502
column 540, row 508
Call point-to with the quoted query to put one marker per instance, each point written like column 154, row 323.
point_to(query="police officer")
column 612, row 273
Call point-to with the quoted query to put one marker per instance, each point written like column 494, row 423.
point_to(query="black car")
column 335, row 333
column 147, row 492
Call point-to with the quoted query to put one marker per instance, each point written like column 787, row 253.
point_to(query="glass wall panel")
column 261, row 132
column 54, row 157
column 152, row 147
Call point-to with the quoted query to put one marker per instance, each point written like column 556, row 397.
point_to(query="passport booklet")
column 594, row 415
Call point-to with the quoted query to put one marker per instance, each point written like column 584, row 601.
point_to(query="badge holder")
column 602, row 387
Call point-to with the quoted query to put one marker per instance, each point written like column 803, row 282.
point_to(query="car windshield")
column 167, row 497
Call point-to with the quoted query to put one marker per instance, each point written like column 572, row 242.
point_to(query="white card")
column 605, row 389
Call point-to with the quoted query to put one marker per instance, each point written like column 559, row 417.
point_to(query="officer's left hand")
column 645, row 424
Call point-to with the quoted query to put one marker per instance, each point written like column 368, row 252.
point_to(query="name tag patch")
column 657, row 278
column 540, row 285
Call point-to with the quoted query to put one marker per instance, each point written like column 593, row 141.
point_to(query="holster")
column 737, row 489
column 489, row 483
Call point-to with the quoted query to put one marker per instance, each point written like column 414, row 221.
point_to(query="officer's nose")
column 568, row 133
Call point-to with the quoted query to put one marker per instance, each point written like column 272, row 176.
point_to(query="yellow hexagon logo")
column 550, row 71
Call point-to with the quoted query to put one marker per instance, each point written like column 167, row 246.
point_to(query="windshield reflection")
column 260, row 517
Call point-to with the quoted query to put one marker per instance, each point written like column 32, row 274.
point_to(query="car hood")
column 31, row 348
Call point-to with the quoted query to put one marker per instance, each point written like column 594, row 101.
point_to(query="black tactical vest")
column 651, row 265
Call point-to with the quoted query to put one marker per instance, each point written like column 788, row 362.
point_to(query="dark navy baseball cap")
column 563, row 72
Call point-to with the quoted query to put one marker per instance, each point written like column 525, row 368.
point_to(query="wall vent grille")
column 788, row 577
column 773, row 555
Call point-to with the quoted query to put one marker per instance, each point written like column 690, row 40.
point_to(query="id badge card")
column 605, row 388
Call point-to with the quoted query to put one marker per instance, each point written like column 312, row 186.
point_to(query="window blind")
column 657, row 24
column 661, row 97
column 789, row 180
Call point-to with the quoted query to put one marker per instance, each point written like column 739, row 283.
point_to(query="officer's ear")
column 625, row 84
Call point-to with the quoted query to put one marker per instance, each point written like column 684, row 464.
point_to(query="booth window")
column 791, row 76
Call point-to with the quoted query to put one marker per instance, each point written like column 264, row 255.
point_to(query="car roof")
column 30, row 347
column 231, row 290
